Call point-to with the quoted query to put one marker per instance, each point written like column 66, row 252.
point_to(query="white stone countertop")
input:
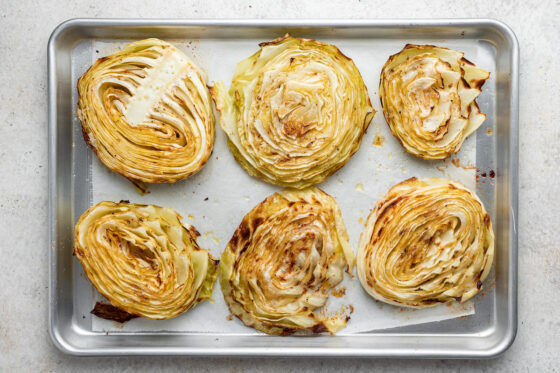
column 25, row 27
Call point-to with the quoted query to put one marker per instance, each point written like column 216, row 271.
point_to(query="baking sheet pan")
column 78, row 179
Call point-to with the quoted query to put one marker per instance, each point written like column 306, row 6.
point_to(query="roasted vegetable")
column 295, row 113
column 426, row 242
column 147, row 113
column 282, row 261
column 143, row 260
column 428, row 96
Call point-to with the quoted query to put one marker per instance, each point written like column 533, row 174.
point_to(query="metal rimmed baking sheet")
column 487, row 333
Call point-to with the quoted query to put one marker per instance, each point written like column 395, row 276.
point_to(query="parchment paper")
column 216, row 199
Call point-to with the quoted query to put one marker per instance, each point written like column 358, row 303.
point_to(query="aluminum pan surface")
column 460, row 339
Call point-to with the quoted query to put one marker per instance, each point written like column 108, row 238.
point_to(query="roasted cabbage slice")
column 147, row 113
column 295, row 112
column 143, row 260
column 428, row 96
column 282, row 261
column 426, row 242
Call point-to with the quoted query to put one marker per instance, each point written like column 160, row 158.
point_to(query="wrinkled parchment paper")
column 216, row 199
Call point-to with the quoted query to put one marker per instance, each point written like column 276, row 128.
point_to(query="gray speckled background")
column 24, row 30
